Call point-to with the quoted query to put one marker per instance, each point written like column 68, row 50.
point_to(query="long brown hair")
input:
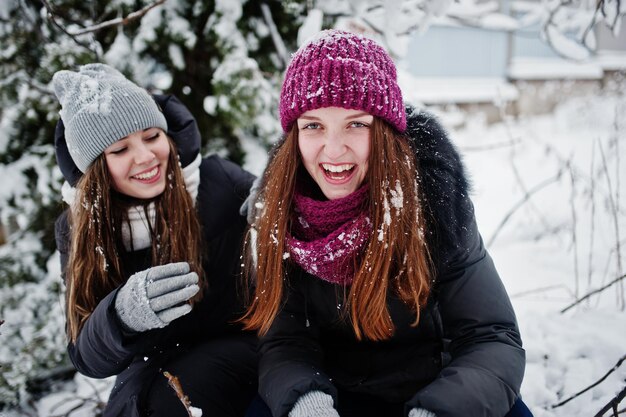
column 396, row 256
column 96, row 219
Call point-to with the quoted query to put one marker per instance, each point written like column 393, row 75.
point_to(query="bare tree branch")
column 615, row 281
column 541, row 290
column 617, row 365
column 614, row 212
column 592, row 229
column 572, row 202
column 279, row 44
column 613, row 404
column 119, row 21
column 52, row 16
column 490, row 146
column 520, row 203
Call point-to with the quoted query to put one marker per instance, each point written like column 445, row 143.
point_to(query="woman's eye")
column 153, row 137
column 118, row 151
column 358, row 124
column 310, row 126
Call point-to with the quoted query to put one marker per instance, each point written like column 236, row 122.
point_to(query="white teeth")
column 338, row 168
column 147, row 175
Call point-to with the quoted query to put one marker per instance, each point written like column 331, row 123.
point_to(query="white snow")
column 442, row 90
column 553, row 68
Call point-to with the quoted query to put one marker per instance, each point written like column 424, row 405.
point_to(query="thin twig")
column 516, row 173
column 120, row 20
column 279, row 44
column 520, row 203
column 592, row 230
column 613, row 404
column 617, row 365
column 52, row 17
column 539, row 290
column 490, row 146
column 615, row 219
column 592, row 23
column 574, row 226
column 615, row 281
column 617, row 199
column 174, row 383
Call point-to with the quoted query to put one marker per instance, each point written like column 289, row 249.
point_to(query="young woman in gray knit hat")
column 150, row 248
column 374, row 293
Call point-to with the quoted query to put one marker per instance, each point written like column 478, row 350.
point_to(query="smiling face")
column 335, row 145
column 138, row 163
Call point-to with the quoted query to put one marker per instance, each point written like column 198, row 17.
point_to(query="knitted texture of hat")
column 99, row 106
column 341, row 69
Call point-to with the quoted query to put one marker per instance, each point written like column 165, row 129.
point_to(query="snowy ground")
column 560, row 244
column 557, row 245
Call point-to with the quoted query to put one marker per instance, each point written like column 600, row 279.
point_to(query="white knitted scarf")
column 136, row 215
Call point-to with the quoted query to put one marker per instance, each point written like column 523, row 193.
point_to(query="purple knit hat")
column 341, row 69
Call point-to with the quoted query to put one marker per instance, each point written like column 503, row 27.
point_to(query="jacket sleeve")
column 102, row 348
column 291, row 358
column 487, row 359
column 487, row 363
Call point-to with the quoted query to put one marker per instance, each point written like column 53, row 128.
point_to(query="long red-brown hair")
column 395, row 258
column 94, row 268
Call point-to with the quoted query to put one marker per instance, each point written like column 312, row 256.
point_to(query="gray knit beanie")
column 99, row 106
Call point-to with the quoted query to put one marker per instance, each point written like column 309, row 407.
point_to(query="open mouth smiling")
column 338, row 172
column 147, row 175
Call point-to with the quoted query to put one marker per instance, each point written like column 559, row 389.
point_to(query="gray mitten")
column 314, row 404
column 248, row 208
column 420, row 412
column 154, row 297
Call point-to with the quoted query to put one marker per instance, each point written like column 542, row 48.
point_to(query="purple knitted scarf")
column 327, row 236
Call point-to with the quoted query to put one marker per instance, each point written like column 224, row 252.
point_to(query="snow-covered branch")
column 120, row 20
column 566, row 25
column 103, row 25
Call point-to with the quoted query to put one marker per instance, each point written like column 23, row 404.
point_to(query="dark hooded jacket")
column 464, row 358
column 103, row 348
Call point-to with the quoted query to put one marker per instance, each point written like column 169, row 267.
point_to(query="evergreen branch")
column 617, row 365
column 613, row 404
column 580, row 300
column 120, row 20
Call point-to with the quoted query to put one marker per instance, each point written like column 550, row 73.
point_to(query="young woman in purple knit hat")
column 374, row 292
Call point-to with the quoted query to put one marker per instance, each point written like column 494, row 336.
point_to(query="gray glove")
column 152, row 298
column 314, row 404
column 248, row 207
column 420, row 412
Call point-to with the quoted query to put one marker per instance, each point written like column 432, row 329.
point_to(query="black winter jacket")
column 103, row 348
column 465, row 357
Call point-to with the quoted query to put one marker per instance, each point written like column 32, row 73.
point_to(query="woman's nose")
column 334, row 146
column 143, row 155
